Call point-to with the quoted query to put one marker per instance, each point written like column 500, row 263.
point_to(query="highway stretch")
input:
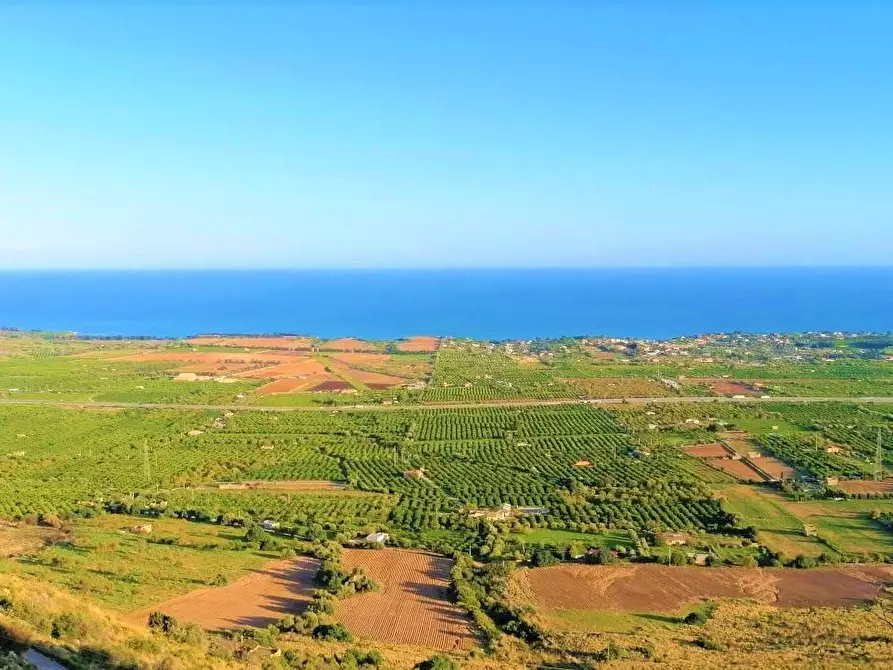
column 88, row 404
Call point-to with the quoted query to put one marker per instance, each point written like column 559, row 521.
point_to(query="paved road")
column 384, row 408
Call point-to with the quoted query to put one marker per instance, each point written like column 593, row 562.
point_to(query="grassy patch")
column 111, row 566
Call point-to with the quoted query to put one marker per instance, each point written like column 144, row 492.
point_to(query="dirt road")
column 459, row 405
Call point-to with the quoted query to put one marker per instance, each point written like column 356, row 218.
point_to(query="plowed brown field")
column 660, row 588
column 347, row 344
column 859, row 486
column 360, row 358
column 738, row 469
column 706, row 451
column 302, row 366
column 255, row 342
column 411, row 605
column 376, row 379
column 419, row 343
column 776, row 468
column 287, row 385
column 257, row 599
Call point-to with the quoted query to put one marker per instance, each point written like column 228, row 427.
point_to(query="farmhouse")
column 378, row 538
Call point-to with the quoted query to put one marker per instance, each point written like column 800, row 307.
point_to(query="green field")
column 485, row 453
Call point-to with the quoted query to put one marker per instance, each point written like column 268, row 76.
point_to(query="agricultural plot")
column 670, row 590
column 348, row 344
column 110, row 560
column 257, row 599
column 779, row 529
column 720, row 386
column 411, row 605
column 419, row 343
column 109, row 379
column 17, row 540
column 619, row 387
column 280, row 342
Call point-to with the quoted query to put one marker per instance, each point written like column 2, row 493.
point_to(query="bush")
column 187, row 633
column 439, row 662
column 543, row 558
column 358, row 658
column 68, row 625
column 695, row 618
column 709, row 644
column 332, row 631
column 601, row 557
column 804, row 562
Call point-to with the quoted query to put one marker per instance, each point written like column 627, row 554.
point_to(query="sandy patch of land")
column 18, row 540
column 257, row 599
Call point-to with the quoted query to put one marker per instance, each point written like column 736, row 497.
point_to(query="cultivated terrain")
column 286, row 501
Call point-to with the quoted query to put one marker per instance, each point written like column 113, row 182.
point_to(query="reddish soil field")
column 376, row 379
column 861, row 486
column 304, row 366
column 257, row 599
column 360, row 358
column 778, row 469
column 660, row 588
column 411, row 605
column 347, row 344
column 256, row 342
column 284, row 386
column 706, row 451
column 738, row 469
column 419, row 343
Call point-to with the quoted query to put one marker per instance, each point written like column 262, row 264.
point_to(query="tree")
column 332, row 631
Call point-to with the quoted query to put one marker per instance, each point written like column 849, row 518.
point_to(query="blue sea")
column 485, row 304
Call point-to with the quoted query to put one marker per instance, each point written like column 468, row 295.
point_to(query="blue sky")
column 484, row 135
